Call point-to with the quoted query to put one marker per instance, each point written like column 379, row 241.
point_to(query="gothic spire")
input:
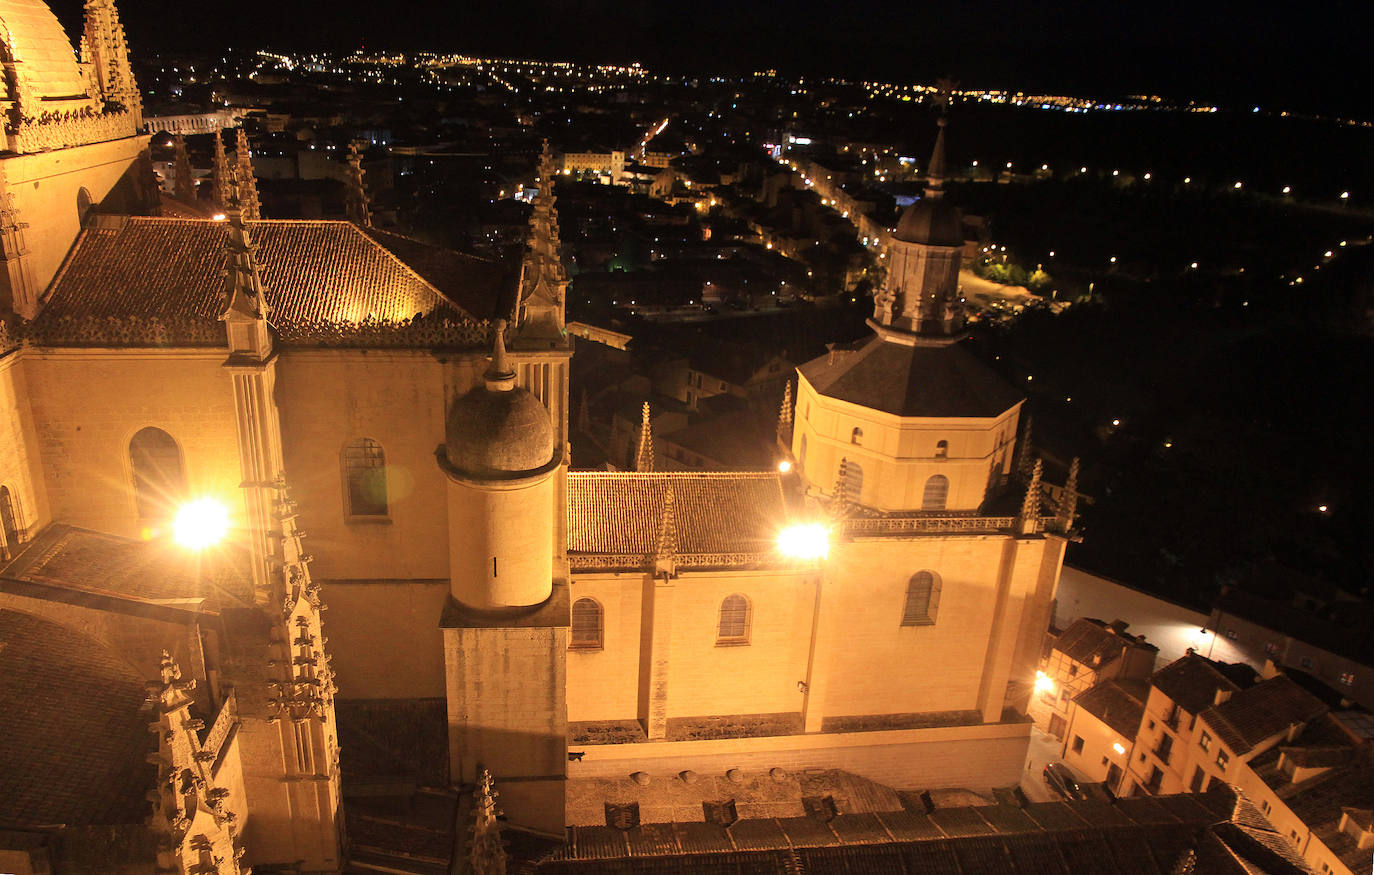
column 486, row 851
column 358, row 207
column 785, row 415
column 1030, row 506
column 247, row 183
column 220, row 172
column 666, row 550
column 1068, row 507
column 935, row 174
column 1025, row 460
column 105, row 50
column 644, row 450
column 185, row 178
column 244, row 293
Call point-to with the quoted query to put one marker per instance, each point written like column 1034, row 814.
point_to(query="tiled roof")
column 477, row 285
column 67, row 563
column 622, row 513
column 315, row 272
column 1266, row 709
column 934, row 381
column 1119, row 703
column 1087, row 639
column 1192, row 683
column 72, row 739
column 958, row 840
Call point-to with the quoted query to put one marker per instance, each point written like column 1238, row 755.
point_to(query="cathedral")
column 211, row 430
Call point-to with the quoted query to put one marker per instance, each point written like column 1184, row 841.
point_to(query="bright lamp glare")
column 1043, row 683
column 784, row 466
column 804, row 541
column 200, row 523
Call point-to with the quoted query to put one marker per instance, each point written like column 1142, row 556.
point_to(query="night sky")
column 1304, row 55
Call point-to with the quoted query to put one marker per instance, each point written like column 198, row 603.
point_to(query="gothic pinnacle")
column 644, row 451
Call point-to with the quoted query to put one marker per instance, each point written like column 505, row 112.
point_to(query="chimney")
column 1117, row 627
column 1221, row 696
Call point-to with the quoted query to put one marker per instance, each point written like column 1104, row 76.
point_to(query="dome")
column 931, row 221
column 491, row 430
column 37, row 41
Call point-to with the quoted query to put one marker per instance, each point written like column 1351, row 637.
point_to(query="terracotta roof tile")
column 714, row 512
column 1192, row 683
column 315, row 272
column 1266, row 709
column 74, row 737
column 1088, row 639
column 1119, row 703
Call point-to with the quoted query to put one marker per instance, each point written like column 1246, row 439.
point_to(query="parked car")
column 1062, row 781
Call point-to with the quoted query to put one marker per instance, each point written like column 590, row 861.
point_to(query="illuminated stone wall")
column 898, row 454
column 20, row 469
column 88, row 404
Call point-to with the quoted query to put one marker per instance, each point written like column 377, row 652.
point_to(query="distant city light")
column 1237, row 185
column 1288, row 189
column 1345, row 195
column 200, row 524
column 1322, row 508
column 804, row 541
column 1116, row 422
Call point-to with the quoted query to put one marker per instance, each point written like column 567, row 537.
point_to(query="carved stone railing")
column 607, row 561
column 934, row 525
column 424, row 333
column 69, row 129
column 218, row 733
column 116, row 331
column 198, row 331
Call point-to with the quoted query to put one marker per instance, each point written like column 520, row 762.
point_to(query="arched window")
column 734, row 620
column 936, row 494
column 586, row 625
column 365, row 478
column 856, row 436
column 159, row 477
column 9, row 524
column 922, row 599
column 941, row 449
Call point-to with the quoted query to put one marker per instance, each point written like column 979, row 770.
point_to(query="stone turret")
column 499, row 456
column 505, row 625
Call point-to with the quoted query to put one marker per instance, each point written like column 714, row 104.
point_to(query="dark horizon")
column 1302, row 62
